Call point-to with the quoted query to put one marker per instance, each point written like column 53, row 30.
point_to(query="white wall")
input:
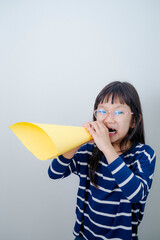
column 55, row 57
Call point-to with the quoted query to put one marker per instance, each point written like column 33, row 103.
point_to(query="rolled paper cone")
column 47, row 141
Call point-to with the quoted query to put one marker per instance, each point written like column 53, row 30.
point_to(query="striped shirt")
column 114, row 209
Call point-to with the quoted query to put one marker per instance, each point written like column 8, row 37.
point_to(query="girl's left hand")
column 100, row 134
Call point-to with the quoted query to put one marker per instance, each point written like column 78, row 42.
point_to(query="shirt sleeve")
column 135, row 182
column 62, row 167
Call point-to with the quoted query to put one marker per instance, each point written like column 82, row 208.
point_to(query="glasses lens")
column 120, row 115
column 100, row 114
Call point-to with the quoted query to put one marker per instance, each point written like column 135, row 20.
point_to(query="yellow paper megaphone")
column 47, row 141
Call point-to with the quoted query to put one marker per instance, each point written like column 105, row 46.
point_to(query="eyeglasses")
column 118, row 115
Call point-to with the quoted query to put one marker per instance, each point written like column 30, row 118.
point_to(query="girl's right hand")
column 86, row 126
column 100, row 134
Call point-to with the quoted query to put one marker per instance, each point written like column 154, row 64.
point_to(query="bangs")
column 116, row 94
column 115, row 97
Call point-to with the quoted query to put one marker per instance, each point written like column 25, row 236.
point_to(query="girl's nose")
column 109, row 117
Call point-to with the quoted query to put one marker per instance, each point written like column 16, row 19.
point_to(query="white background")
column 55, row 57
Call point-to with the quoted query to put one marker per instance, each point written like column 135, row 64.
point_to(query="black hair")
column 126, row 94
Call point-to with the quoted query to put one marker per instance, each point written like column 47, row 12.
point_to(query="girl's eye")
column 118, row 112
column 101, row 111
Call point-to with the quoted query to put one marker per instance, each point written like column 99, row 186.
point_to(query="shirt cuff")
column 64, row 160
column 116, row 165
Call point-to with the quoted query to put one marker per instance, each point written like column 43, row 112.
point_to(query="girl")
column 115, row 170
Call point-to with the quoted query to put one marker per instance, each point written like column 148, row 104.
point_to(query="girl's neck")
column 123, row 149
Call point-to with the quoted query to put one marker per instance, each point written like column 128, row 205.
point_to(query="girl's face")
column 117, row 120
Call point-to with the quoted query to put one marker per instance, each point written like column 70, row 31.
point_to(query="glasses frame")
column 110, row 111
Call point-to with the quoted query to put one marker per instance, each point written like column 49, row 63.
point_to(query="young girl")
column 115, row 170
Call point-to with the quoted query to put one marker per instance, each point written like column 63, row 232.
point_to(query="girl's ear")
column 133, row 121
column 140, row 118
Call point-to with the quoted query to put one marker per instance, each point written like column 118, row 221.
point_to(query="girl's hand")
column 100, row 134
column 85, row 125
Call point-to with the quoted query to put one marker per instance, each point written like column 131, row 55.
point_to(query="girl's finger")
column 86, row 125
column 95, row 126
column 102, row 126
column 91, row 129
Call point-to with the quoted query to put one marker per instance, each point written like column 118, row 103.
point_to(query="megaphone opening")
column 35, row 139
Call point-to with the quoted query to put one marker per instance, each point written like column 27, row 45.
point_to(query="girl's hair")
column 126, row 94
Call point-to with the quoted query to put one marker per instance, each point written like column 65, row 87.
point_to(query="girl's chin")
column 115, row 139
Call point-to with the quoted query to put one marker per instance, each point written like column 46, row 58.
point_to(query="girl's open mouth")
column 112, row 131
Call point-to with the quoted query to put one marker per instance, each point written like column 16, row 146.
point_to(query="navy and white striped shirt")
column 114, row 209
